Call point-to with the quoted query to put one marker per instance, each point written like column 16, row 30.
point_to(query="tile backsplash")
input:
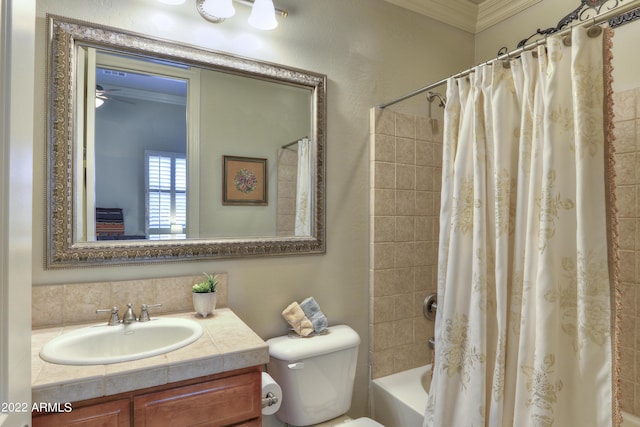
column 66, row 304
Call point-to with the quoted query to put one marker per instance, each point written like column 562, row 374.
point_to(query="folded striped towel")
column 313, row 312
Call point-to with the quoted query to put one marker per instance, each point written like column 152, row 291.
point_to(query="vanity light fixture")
column 222, row 9
column 263, row 12
column 263, row 15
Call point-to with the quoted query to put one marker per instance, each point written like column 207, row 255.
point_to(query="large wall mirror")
column 159, row 151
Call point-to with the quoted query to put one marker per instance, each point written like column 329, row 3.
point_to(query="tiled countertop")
column 226, row 344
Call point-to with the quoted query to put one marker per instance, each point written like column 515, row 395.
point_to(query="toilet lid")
column 361, row 422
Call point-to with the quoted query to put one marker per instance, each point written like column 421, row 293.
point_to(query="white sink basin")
column 103, row 344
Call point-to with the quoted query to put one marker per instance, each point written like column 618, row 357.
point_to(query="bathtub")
column 401, row 399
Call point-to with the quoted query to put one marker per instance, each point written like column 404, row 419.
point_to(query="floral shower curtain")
column 524, row 325
column 306, row 156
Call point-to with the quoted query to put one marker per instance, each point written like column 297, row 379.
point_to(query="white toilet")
column 316, row 376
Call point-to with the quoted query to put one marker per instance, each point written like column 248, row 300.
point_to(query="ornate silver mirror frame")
column 61, row 249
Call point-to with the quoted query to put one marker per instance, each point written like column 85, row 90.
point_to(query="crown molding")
column 490, row 12
column 469, row 15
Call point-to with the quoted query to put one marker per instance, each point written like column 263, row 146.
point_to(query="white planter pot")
column 204, row 303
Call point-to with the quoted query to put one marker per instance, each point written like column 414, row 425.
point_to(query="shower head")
column 442, row 101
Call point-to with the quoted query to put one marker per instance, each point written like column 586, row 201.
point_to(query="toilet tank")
column 316, row 374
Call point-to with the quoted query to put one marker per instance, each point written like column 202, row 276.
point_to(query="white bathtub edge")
column 399, row 399
column 630, row 420
column 394, row 400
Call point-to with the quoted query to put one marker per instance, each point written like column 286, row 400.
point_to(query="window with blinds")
column 166, row 189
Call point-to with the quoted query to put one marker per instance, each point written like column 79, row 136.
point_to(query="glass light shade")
column 263, row 15
column 219, row 8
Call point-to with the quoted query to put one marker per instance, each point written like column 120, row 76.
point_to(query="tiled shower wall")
column 287, row 187
column 627, row 144
column 406, row 170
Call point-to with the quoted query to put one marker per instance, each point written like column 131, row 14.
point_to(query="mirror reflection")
column 159, row 151
column 138, row 182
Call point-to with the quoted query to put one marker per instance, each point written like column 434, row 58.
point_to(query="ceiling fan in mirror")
column 103, row 95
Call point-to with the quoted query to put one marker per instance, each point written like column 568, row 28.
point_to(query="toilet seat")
column 361, row 422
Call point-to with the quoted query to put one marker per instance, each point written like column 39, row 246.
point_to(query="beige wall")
column 244, row 112
column 509, row 32
column 371, row 51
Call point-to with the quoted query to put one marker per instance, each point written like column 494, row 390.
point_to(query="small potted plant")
column 205, row 295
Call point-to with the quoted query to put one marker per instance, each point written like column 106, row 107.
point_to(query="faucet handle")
column 113, row 319
column 144, row 312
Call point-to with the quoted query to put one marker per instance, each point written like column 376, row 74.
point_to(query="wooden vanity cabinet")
column 116, row 413
column 223, row 402
column 228, row 399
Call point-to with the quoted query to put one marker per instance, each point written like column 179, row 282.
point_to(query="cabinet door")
column 109, row 414
column 223, row 402
column 253, row 423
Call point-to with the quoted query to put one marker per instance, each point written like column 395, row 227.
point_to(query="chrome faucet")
column 144, row 312
column 129, row 315
column 113, row 319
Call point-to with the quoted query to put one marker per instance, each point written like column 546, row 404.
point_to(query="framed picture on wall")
column 244, row 181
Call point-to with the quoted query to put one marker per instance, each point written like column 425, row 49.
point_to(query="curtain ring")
column 594, row 29
column 505, row 61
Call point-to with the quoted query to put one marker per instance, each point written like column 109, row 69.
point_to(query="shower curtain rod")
column 293, row 142
column 597, row 20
